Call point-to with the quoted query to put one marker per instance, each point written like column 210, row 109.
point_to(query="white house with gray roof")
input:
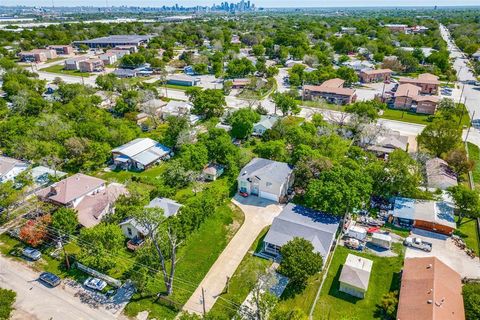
column 296, row 221
column 139, row 154
column 10, row 168
column 265, row 123
column 266, row 179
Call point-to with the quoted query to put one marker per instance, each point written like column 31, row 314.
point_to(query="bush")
column 471, row 300
column 7, row 298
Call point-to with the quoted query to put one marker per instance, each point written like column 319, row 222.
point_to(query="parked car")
column 31, row 253
column 50, row 279
column 418, row 243
column 95, row 283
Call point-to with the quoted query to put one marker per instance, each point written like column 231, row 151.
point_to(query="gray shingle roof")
column 169, row 206
column 297, row 221
column 356, row 271
column 274, row 170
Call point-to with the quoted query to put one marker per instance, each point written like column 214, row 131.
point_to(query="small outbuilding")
column 355, row 276
column 382, row 240
column 357, row 232
column 212, row 171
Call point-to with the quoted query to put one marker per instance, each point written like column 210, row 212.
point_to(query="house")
column 266, row 179
column 405, row 96
column 235, row 39
column 49, row 53
column 359, row 65
column 61, row 49
column 93, row 207
column 348, row 30
column 30, row 56
column 296, row 221
column 423, row 214
column 439, row 174
column 385, row 144
column 265, row 123
column 212, row 171
column 153, row 106
column 417, row 29
column 11, row 168
column 108, row 58
column 139, row 154
column 134, row 230
column 355, row 276
column 91, row 65
column 182, row 80
column 73, row 63
column 41, row 175
column 108, row 99
column 427, row 82
column 70, row 191
column 118, row 52
column 332, row 91
column 430, row 290
column 114, row 41
column 131, row 48
column 290, row 63
column 427, row 104
column 170, row 207
column 240, row 83
column 377, row 75
column 176, row 108
column 397, row 27
column 125, row 73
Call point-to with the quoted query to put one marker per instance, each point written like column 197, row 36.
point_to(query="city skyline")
column 260, row 3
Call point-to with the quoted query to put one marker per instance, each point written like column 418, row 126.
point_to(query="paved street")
column 36, row 301
column 259, row 213
column 470, row 92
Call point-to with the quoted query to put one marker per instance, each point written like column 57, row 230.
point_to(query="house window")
column 129, row 231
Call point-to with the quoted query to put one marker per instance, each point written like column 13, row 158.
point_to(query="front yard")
column 58, row 68
column 385, row 277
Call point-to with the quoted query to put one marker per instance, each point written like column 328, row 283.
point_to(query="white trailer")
column 382, row 240
column 357, row 232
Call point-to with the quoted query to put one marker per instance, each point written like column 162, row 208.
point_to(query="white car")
column 95, row 284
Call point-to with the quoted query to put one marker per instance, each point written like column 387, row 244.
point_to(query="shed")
column 357, row 232
column 381, row 240
column 213, row 171
column 355, row 276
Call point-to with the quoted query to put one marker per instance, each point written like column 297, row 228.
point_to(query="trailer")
column 382, row 240
column 357, row 232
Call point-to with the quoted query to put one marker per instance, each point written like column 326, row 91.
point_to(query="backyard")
column 385, row 277
column 468, row 231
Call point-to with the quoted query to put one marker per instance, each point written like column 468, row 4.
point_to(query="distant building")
column 91, row 65
column 427, row 82
column 140, row 154
column 108, row 58
column 385, row 144
column 378, row 75
column 114, row 41
column 424, row 214
column 409, row 96
column 118, row 52
column 176, row 108
column 212, row 171
column 74, row 63
column 355, row 276
column 30, row 56
column 430, row 290
column 439, row 174
column 62, row 50
column 182, row 80
column 131, row 48
column 332, row 91
column 348, row 30
column 49, row 53
column 11, row 168
column 397, row 27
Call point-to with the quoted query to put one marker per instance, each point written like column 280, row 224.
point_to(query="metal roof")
column 143, row 150
column 169, row 206
column 120, row 39
column 297, row 221
column 356, row 271
column 432, row 211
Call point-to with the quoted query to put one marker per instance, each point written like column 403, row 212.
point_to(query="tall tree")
column 466, row 200
column 242, row 122
column 440, row 137
column 64, row 222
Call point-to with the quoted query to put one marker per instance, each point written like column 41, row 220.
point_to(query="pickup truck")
column 418, row 243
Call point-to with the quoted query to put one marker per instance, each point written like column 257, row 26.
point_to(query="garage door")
column 268, row 196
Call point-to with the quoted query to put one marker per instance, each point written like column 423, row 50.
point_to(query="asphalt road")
column 36, row 301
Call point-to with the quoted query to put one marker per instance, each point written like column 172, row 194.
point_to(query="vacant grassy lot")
column 385, row 277
column 196, row 257
column 469, row 233
column 58, row 68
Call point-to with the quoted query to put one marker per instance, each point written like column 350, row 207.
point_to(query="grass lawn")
column 474, row 154
column 196, row 257
column 385, row 277
column 320, row 105
column 405, row 116
column 468, row 231
column 303, row 300
column 397, row 230
column 243, row 280
column 58, row 68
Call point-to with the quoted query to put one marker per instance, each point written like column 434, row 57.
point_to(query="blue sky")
column 262, row 3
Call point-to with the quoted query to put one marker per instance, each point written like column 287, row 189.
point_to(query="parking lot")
column 444, row 249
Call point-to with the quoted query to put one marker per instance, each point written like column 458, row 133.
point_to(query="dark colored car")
column 50, row 279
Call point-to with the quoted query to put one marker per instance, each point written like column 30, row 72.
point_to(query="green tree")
column 366, row 109
column 242, row 122
column 273, row 150
column 347, row 74
column 388, row 305
column 466, row 200
column 299, row 261
column 286, row 104
column 440, row 137
column 460, row 163
column 7, row 299
column 289, row 314
column 64, row 222
column 209, row 103
column 194, row 156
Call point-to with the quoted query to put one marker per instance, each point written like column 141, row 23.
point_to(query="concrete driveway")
column 259, row 213
column 444, row 249
column 36, row 301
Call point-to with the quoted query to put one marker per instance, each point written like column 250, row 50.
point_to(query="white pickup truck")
column 418, row 243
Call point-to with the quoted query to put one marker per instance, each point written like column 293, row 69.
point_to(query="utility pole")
column 203, row 302
column 228, row 285
column 461, row 94
column 463, row 111
column 470, row 126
